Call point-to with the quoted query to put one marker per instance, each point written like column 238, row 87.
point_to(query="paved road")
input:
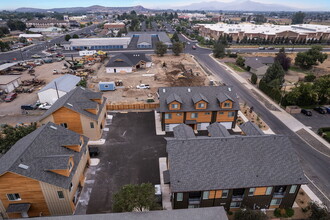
column 315, row 164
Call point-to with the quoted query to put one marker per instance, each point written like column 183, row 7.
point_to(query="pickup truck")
column 143, row 86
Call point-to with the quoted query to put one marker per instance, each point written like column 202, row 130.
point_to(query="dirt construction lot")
column 43, row 72
column 177, row 71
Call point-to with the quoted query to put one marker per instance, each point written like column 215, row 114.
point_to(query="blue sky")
column 5, row 4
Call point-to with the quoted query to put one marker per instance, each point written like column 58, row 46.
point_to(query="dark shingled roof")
column 207, row 163
column 199, row 97
column 217, row 130
column 41, row 150
column 78, row 100
column 18, row 208
column 127, row 60
column 183, row 131
column 249, row 128
column 257, row 62
column 173, row 97
column 212, row 213
column 187, row 94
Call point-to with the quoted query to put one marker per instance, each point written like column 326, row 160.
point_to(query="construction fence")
column 132, row 106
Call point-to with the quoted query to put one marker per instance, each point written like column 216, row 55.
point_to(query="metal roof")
column 100, row 41
column 64, row 83
column 5, row 79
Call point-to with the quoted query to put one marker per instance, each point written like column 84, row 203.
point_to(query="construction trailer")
column 107, row 86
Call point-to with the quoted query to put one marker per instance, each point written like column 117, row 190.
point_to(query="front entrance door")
column 114, row 70
column 192, row 126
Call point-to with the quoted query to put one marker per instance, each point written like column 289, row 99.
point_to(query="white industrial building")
column 98, row 43
column 9, row 83
column 58, row 88
column 127, row 63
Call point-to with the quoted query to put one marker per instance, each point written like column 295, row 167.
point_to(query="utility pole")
column 58, row 96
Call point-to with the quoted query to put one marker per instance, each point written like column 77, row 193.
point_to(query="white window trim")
column 269, row 190
column 14, row 195
column 251, row 190
column 179, row 197
column 225, row 194
column 206, row 195
column 293, row 189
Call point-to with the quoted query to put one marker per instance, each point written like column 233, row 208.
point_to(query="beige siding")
column 55, row 205
column 3, row 210
column 96, row 132
column 47, row 119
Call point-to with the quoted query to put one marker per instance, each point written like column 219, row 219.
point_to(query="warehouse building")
column 9, row 83
column 98, row 43
column 147, row 39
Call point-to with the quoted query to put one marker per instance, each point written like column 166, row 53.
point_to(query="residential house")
column 43, row 173
column 114, row 26
column 81, row 111
column 128, row 62
column 258, row 65
column 252, row 171
column 58, row 88
column 212, row 213
column 197, row 107
column 9, row 83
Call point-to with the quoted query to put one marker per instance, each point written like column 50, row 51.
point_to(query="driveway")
column 316, row 121
column 129, row 156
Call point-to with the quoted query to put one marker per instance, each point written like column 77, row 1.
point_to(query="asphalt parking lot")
column 129, row 156
column 315, row 121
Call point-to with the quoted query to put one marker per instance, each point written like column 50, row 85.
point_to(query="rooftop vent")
column 53, row 127
column 23, row 166
column 69, row 104
column 164, row 90
column 229, row 89
column 189, row 90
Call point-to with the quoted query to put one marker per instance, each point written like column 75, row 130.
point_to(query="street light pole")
column 21, row 54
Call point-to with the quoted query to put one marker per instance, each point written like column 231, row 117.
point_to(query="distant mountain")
column 236, row 6
column 94, row 8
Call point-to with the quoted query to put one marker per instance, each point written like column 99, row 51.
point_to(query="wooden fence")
column 132, row 106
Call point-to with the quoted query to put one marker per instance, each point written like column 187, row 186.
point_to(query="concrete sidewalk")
column 291, row 122
column 165, row 188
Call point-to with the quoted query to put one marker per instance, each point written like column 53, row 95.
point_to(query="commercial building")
column 31, row 35
column 197, row 107
column 43, row 173
column 9, row 83
column 146, row 39
column 255, row 171
column 46, row 23
column 98, row 43
column 46, row 30
column 58, row 88
column 114, row 26
column 299, row 32
column 128, row 62
column 81, row 111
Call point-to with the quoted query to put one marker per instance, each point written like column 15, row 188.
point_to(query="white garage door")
column 16, row 84
column 202, row 126
column 169, row 127
column 227, row 124
column 10, row 87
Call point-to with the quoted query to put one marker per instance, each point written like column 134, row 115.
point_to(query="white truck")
column 143, row 86
column 87, row 52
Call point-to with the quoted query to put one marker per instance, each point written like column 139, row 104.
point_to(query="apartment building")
column 46, row 23
column 80, row 110
column 43, row 173
column 253, row 170
column 197, row 107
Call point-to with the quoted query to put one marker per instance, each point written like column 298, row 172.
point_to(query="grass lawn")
column 298, row 69
column 235, row 67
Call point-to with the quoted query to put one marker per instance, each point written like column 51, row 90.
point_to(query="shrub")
column 309, row 78
column 254, row 78
column 289, row 212
column 277, row 213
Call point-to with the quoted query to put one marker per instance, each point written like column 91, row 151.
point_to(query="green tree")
column 219, row 50
column 322, row 88
column 177, row 48
column 134, row 197
column 311, row 57
column 160, row 49
column 75, row 36
column 16, row 25
column 318, row 212
column 22, row 40
column 67, row 37
column 249, row 214
column 10, row 135
column 240, row 61
column 4, row 46
column 283, row 59
column 302, row 95
column 175, row 37
column 4, row 31
column 274, row 75
column 254, row 78
column 298, row 18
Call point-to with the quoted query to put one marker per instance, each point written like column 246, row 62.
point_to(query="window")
column 14, row 197
column 60, row 194
column 235, row 204
column 175, row 106
column 206, row 194
column 194, row 115
column 201, row 105
column 231, row 114
column 70, row 165
column 276, row 202
column 251, row 191
column 92, row 124
column 179, row 197
column 207, row 113
column 64, row 125
column 293, row 189
column 179, row 114
column 225, row 193
column 269, row 190
column 226, row 105
column 168, row 116
column 221, row 113
column 71, row 186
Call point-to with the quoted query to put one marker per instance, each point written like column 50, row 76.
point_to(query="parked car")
column 35, row 56
column 321, row 110
column 45, row 106
column 10, row 97
column 262, row 48
column 306, row 112
column 193, row 47
column 328, row 109
column 270, row 48
column 143, row 86
column 93, row 151
column 29, row 107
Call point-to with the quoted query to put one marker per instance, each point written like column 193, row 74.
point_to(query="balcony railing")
column 237, row 198
column 194, row 201
column 278, row 194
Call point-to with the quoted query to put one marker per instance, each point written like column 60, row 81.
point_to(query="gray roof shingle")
column 78, row 100
column 186, row 94
column 127, row 60
column 199, row 97
column 217, row 130
column 42, row 150
column 207, row 163
column 249, row 128
column 183, row 131
column 64, row 83
column 173, row 97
